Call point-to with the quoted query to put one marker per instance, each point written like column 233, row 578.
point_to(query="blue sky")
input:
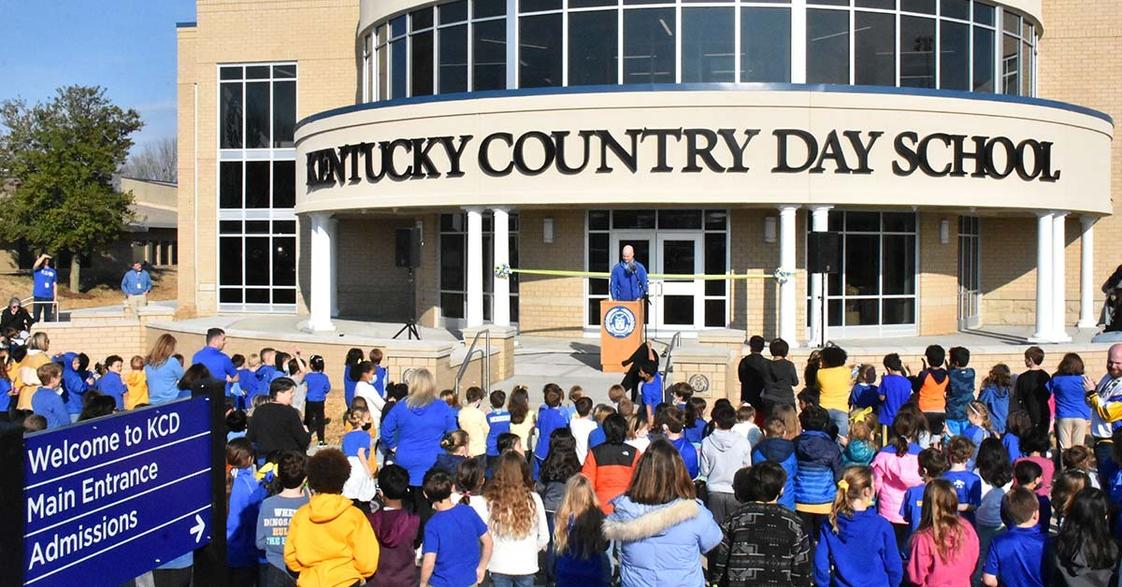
column 126, row 46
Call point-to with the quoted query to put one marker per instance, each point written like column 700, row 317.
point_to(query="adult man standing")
column 135, row 285
column 1105, row 400
column 752, row 372
column 45, row 290
column 629, row 278
column 212, row 357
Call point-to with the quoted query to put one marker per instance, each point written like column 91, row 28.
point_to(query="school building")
column 961, row 149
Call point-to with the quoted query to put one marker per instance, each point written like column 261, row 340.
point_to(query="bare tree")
column 156, row 161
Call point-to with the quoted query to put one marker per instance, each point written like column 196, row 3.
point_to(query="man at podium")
column 629, row 278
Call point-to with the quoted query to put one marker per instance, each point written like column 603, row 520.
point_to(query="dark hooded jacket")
column 396, row 531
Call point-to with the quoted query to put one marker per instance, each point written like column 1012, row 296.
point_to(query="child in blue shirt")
column 1016, row 556
column 499, row 421
column 46, row 401
column 381, row 375
column 452, row 557
column 268, row 371
column 960, row 390
column 1017, row 427
column 1029, row 475
column 111, row 383
column 967, row 484
column 865, row 393
column 550, row 418
column 996, row 388
column 855, row 545
column 894, row 391
column 695, row 420
column 246, row 495
column 354, row 357
column 650, row 390
column 74, row 386
column 318, row 386
column 932, row 465
column 242, row 390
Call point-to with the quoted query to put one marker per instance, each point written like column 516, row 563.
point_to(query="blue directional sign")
column 110, row 499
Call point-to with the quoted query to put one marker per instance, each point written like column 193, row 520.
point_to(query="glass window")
column 284, row 260
column 383, row 58
column 230, row 184
column 489, row 55
column 231, row 115
column 899, row 264
column 648, row 46
column 284, row 184
column 539, row 51
column 679, row 219
column 765, row 44
column 256, row 184
column 591, row 3
column 921, row 6
column 257, row 72
column 257, row 261
column 983, row 60
column 959, row 9
column 257, row 115
column 917, row 52
column 397, row 27
column 707, row 45
column 451, row 12
column 1011, row 22
column 230, row 72
column 399, row 67
column 884, row 4
column 420, row 19
column 984, row 14
column 954, row 56
column 453, row 59
column 284, row 114
column 1027, row 57
column 488, row 8
column 1010, row 63
column 230, row 260
column 593, row 50
column 827, row 47
column 420, row 80
column 874, row 49
column 715, row 251
column 538, row 5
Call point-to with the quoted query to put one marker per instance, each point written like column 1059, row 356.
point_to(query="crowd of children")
column 855, row 479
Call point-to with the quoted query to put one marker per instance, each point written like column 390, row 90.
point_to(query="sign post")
column 115, row 497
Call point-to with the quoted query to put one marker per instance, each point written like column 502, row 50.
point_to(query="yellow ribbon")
column 268, row 468
column 843, row 485
column 861, row 415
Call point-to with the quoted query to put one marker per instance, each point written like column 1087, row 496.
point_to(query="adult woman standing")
column 37, row 356
column 277, row 426
column 162, row 371
column 413, row 429
column 661, row 525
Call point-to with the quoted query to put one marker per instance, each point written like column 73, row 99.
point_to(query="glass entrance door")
column 679, row 304
column 969, row 273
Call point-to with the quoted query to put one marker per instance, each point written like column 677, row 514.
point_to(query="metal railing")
column 484, row 362
column 28, row 303
column 668, row 360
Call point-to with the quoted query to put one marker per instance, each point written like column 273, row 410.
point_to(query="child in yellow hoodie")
column 330, row 542
column 137, row 384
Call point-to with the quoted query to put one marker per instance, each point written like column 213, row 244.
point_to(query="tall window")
column 875, row 291
column 257, row 188
column 453, row 265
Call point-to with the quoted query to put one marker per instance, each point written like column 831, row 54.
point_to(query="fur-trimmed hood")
column 640, row 521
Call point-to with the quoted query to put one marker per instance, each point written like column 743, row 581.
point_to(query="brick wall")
column 370, row 286
column 551, row 306
column 938, row 276
column 319, row 35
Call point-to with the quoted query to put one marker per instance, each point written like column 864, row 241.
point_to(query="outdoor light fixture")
column 769, row 229
column 944, row 231
column 547, row 231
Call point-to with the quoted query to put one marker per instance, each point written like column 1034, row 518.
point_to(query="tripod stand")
column 411, row 324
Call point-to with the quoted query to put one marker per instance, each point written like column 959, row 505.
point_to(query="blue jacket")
column 73, row 384
column 819, row 468
column 1012, row 444
column 247, row 379
column 379, row 383
column 135, row 283
column 858, row 452
column 960, row 392
column 549, row 419
column 781, row 451
column 265, row 375
column 5, row 398
column 163, row 380
column 1068, row 391
column 863, row 552
column 318, row 386
column 661, row 544
column 499, row 423
column 110, row 384
column 997, row 402
column 48, row 403
column 864, row 395
column 416, row 434
column 246, row 495
column 627, row 286
column 689, row 454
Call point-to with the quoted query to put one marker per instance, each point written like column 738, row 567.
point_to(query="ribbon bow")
column 861, row 415
column 843, row 485
column 267, row 473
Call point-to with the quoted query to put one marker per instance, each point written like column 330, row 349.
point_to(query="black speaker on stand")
column 823, row 257
column 407, row 254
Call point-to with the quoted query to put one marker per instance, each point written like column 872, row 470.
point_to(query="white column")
column 500, row 310
column 1087, row 273
column 1043, row 278
column 320, row 304
column 787, row 303
column 819, row 222
column 1059, row 281
column 474, row 267
column 333, row 232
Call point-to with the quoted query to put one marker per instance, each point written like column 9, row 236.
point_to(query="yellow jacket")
column 137, row 382
column 330, row 543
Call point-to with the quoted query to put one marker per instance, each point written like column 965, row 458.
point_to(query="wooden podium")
column 621, row 332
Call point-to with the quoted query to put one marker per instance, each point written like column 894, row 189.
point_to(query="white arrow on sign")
column 198, row 528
